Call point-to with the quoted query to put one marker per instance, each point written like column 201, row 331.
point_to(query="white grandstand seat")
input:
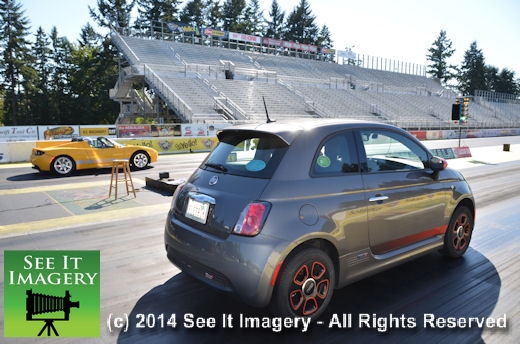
column 299, row 87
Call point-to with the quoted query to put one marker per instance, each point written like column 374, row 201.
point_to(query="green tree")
column 472, row 74
column 88, row 36
column 15, row 72
column 254, row 20
column 61, row 108
column 1, row 107
column 193, row 13
column 112, row 13
column 105, row 110
column 301, row 26
column 439, row 53
column 232, row 15
column 325, row 39
column 93, row 75
column 505, row 82
column 275, row 26
column 42, row 57
column 491, row 76
column 213, row 13
column 151, row 12
column 28, row 90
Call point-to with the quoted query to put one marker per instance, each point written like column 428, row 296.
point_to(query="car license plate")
column 197, row 211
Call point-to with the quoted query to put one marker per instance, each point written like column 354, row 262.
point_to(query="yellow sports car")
column 88, row 152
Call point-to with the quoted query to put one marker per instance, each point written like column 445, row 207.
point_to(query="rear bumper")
column 41, row 163
column 240, row 265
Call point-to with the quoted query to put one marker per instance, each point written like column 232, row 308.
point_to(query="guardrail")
column 168, row 95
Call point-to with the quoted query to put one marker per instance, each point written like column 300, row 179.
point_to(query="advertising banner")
column 215, row 33
column 191, row 130
column 98, row 130
column 165, row 130
column 23, row 133
column 176, row 145
column 134, row 130
column 272, row 42
column 58, row 132
column 299, row 46
column 183, row 28
column 245, row 38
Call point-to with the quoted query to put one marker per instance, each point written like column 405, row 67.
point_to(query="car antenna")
column 266, row 112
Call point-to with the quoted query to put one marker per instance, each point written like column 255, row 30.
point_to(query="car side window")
column 104, row 143
column 391, row 151
column 336, row 155
column 91, row 142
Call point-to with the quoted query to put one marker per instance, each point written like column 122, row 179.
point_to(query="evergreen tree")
column 152, row 12
column 275, row 26
column 61, row 107
column 112, row 13
column 41, row 99
column 324, row 39
column 505, row 83
column 472, row 74
column 88, row 36
column 232, row 15
column 439, row 53
column 89, row 80
column 301, row 26
column 15, row 72
column 105, row 110
column 83, row 85
column 28, row 89
column 213, row 13
column 254, row 20
column 491, row 77
column 193, row 13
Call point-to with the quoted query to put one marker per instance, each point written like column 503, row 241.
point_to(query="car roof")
column 288, row 130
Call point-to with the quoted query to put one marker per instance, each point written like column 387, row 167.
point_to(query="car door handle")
column 378, row 198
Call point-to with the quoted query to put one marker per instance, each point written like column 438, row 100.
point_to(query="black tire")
column 140, row 160
column 305, row 285
column 63, row 165
column 458, row 234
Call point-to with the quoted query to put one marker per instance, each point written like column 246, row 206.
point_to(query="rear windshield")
column 249, row 154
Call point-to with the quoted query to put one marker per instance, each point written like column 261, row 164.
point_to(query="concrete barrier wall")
column 16, row 151
column 21, row 151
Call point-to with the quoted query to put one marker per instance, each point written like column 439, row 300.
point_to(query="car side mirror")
column 438, row 164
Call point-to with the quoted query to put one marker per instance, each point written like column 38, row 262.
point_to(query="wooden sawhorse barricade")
column 123, row 165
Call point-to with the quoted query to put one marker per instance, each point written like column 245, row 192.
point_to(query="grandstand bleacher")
column 208, row 84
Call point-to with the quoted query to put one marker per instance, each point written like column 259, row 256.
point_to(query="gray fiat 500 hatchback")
column 282, row 213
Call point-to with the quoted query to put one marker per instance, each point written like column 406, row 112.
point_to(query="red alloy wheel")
column 305, row 285
column 458, row 234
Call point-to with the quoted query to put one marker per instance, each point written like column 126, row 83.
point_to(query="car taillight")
column 175, row 194
column 252, row 219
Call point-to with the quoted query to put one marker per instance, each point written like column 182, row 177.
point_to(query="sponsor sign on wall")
column 98, row 130
column 57, row 132
column 22, row 133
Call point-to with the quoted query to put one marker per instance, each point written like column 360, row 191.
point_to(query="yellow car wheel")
column 63, row 165
column 139, row 160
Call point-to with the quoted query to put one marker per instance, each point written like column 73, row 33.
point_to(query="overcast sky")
column 399, row 29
